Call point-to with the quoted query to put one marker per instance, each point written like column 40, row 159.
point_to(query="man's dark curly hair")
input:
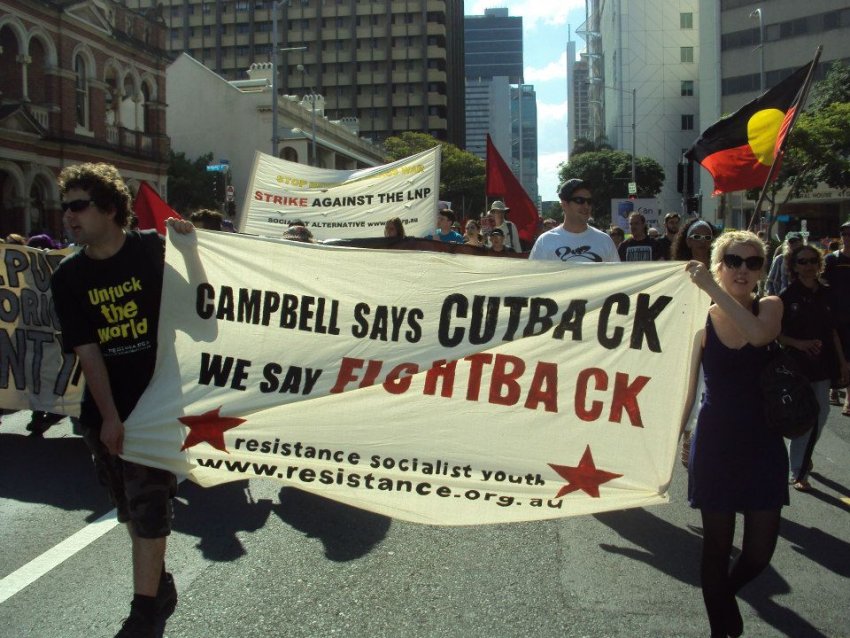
column 103, row 183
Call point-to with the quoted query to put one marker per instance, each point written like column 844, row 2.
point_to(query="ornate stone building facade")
column 81, row 81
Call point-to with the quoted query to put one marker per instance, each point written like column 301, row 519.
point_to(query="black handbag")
column 790, row 405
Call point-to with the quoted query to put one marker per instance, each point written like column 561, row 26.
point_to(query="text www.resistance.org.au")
column 340, row 476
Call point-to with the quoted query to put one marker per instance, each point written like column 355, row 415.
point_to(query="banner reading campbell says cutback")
column 34, row 372
column 342, row 204
column 445, row 389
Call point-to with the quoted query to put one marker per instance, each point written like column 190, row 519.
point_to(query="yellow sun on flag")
column 762, row 131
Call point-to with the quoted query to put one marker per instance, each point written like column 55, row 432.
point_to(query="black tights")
column 719, row 583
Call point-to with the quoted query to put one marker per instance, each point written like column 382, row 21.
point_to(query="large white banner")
column 444, row 389
column 342, row 204
column 34, row 372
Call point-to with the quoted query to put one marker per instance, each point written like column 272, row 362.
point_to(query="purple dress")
column 735, row 463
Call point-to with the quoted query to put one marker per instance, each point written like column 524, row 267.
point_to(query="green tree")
column 818, row 149
column 609, row 172
column 461, row 172
column 190, row 185
column 585, row 145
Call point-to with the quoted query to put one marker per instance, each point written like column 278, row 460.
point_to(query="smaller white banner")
column 342, row 204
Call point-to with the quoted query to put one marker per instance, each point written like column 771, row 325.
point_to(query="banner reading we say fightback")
column 444, row 389
column 34, row 372
column 336, row 204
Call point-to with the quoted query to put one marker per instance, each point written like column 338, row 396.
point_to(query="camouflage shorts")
column 141, row 494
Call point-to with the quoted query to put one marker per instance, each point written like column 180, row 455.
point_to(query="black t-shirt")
column 837, row 273
column 665, row 246
column 645, row 249
column 114, row 302
column 808, row 315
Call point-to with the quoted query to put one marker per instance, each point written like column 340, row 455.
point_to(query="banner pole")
column 777, row 161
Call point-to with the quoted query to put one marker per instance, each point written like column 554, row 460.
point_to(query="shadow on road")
column 215, row 514
column 346, row 532
column 817, row 546
column 676, row 552
column 57, row 472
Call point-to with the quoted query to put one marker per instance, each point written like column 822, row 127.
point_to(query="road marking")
column 39, row 566
column 845, row 500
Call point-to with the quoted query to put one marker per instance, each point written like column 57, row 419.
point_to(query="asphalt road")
column 257, row 559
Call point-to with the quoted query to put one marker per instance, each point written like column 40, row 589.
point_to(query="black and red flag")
column 740, row 149
column 502, row 184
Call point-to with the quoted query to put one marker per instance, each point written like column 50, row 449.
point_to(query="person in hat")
column 671, row 229
column 575, row 240
column 498, row 210
column 497, row 243
column 777, row 278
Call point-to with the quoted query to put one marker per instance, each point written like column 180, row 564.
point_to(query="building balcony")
column 435, row 75
column 41, row 115
column 436, row 29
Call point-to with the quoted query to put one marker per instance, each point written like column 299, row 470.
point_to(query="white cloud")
column 533, row 12
column 547, row 112
column 553, row 71
column 547, row 173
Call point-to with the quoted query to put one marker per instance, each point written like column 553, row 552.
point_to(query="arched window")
column 289, row 154
column 146, row 109
column 11, row 79
column 82, row 92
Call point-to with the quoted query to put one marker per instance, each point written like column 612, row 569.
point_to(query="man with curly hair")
column 107, row 297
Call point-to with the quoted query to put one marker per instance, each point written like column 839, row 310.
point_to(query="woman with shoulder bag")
column 737, row 464
column 809, row 333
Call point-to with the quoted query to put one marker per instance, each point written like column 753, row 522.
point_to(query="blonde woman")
column 736, row 463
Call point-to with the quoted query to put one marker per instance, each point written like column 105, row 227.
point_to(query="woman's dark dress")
column 735, row 463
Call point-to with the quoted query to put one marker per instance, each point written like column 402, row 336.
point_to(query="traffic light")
column 692, row 205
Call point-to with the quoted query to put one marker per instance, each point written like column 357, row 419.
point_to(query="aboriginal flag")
column 739, row 150
column 501, row 183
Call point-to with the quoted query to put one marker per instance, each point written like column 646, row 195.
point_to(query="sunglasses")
column 76, row 205
column 807, row 262
column 701, row 237
column 581, row 200
column 734, row 261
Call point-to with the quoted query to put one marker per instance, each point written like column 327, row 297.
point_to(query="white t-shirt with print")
column 559, row 244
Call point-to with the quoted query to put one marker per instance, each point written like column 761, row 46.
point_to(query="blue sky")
column 546, row 26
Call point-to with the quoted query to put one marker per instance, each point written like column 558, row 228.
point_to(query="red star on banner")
column 585, row 477
column 209, row 427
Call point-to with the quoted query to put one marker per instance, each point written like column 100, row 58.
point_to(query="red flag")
column 501, row 184
column 151, row 210
column 739, row 150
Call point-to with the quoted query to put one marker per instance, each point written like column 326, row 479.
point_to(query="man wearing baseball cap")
column 575, row 240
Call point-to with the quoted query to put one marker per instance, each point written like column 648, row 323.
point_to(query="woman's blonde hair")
column 731, row 238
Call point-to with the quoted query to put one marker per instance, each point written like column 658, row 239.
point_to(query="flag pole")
column 777, row 161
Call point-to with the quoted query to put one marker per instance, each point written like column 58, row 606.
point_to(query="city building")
column 237, row 120
column 395, row 65
column 488, row 111
column 578, row 111
column 494, row 71
column 748, row 47
column 649, row 61
column 524, row 135
column 81, row 81
column 493, row 45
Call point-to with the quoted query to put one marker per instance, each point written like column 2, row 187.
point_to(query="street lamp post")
column 313, row 123
column 275, row 53
column 756, row 13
